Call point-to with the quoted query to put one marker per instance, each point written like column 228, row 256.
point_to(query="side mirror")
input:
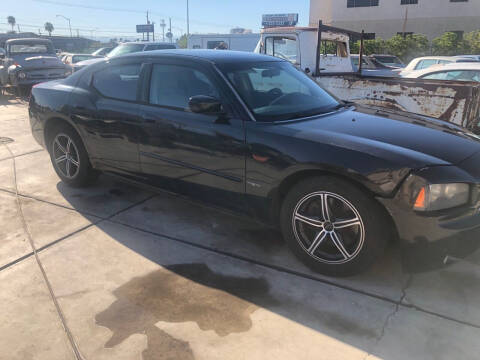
column 3, row 53
column 202, row 104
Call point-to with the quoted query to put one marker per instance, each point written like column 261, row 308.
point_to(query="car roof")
column 146, row 43
column 28, row 40
column 215, row 56
column 445, row 67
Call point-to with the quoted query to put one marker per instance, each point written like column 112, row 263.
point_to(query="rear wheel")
column 69, row 157
column 333, row 226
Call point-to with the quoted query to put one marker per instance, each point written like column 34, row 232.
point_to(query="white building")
column 385, row 18
column 238, row 42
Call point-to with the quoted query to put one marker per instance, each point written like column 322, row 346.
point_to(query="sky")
column 110, row 19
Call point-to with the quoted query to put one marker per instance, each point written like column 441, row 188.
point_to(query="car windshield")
column 126, row 49
column 78, row 58
column 30, row 48
column 276, row 91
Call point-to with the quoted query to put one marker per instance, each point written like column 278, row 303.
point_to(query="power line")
column 126, row 10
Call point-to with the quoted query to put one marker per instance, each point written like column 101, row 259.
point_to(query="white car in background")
column 427, row 61
column 454, row 71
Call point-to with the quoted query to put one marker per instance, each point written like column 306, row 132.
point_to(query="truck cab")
column 299, row 46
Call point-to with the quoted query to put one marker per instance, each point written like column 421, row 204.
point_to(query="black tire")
column 81, row 175
column 340, row 249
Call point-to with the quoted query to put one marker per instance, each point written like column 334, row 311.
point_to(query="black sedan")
column 254, row 134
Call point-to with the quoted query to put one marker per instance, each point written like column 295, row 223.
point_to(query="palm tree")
column 49, row 28
column 11, row 21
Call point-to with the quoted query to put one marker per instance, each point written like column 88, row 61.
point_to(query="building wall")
column 429, row 17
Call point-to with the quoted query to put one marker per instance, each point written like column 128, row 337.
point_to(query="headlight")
column 22, row 75
column 442, row 196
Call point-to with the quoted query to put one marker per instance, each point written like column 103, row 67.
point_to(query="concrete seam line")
column 19, row 155
column 298, row 274
column 75, row 348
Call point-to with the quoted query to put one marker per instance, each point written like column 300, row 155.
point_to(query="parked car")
column 128, row 48
column 371, row 67
column 474, row 57
column 391, row 61
column 103, row 51
column 73, row 59
column 254, row 134
column 427, row 61
column 25, row 62
column 454, row 71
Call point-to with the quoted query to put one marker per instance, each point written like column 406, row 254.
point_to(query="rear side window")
column 118, row 82
column 174, row 85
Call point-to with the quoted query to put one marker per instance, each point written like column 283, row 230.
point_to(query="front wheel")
column 69, row 157
column 333, row 227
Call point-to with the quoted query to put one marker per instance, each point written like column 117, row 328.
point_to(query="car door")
column 201, row 155
column 105, row 106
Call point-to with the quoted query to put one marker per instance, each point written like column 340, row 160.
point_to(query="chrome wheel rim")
column 328, row 227
column 66, row 156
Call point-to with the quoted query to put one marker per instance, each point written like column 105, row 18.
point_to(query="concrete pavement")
column 137, row 275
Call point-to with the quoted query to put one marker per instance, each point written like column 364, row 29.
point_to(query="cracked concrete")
column 165, row 277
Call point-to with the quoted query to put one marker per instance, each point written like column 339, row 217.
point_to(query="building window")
column 361, row 3
column 406, row 33
column 459, row 34
column 369, row 36
column 408, row 2
column 458, row 0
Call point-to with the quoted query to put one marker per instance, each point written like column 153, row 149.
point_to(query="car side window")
column 423, row 64
column 174, row 85
column 118, row 82
column 282, row 47
column 443, row 62
column 436, row 76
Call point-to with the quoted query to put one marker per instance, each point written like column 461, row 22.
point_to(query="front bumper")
column 429, row 227
column 37, row 77
column 417, row 228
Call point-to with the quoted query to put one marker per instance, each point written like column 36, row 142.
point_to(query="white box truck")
column 238, row 42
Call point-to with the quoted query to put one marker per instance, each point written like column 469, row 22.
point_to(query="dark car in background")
column 26, row 62
column 254, row 134
column 391, row 61
column 128, row 48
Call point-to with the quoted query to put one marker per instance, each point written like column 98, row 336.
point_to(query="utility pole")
column 170, row 30
column 162, row 24
column 148, row 33
column 188, row 21
column 78, row 34
column 69, row 25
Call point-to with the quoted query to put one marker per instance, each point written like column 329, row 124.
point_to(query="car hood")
column 31, row 61
column 89, row 62
column 408, row 139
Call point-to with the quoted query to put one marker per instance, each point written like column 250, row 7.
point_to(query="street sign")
column 147, row 28
column 169, row 35
column 273, row 20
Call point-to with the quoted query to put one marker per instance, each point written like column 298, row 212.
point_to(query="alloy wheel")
column 328, row 227
column 66, row 156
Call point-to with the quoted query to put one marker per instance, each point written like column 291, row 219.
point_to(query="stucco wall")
column 429, row 17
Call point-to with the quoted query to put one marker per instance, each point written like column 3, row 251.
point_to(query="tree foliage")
column 49, row 28
column 449, row 44
column 11, row 20
column 416, row 45
column 182, row 41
